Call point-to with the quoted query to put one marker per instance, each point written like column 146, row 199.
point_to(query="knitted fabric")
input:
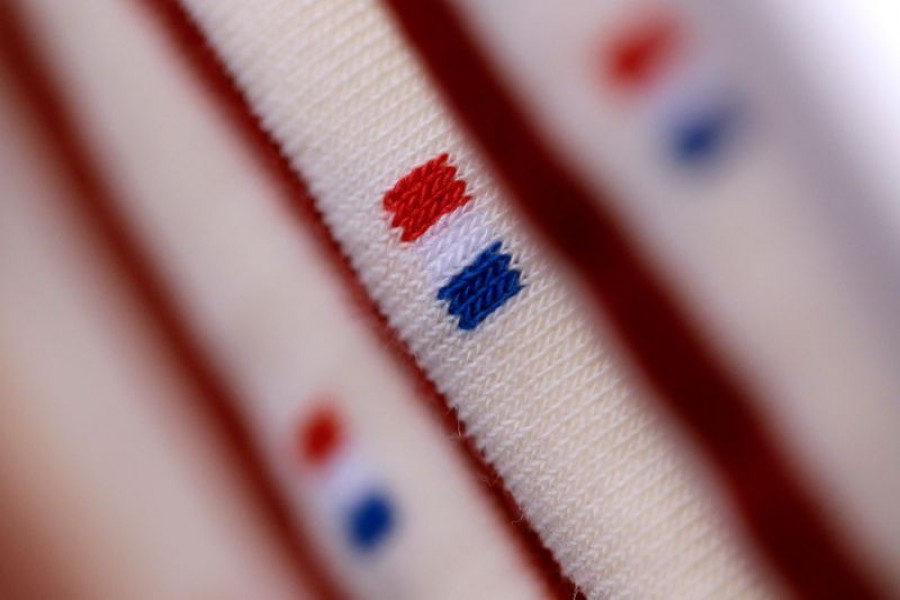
column 716, row 167
column 597, row 474
column 366, row 468
column 740, row 192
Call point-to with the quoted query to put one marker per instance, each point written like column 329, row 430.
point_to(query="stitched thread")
column 424, row 195
column 482, row 287
column 484, row 385
column 206, row 63
column 778, row 510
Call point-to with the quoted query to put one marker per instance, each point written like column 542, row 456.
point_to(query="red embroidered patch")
column 423, row 196
column 637, row 53
column 320, row 435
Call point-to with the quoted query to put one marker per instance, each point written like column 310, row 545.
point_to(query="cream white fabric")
column 597, row 473
column 276, row 317
column 112, row 484
column 780, row 254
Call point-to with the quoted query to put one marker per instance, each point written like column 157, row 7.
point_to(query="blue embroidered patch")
column 370, row 522
column 481, row 287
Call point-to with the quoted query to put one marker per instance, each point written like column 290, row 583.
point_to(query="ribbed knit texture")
column 596, row 472
column 364, row 464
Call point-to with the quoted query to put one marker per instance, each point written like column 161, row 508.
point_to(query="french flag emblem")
column 657, row 56
column 363, row 509
column 472, row 273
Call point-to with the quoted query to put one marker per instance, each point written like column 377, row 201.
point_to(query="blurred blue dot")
column 370, row 522
column 703, row 135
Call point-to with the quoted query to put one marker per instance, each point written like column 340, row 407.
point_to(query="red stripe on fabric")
column 778, row 513
column 206, row 63
column 423, row 196
column 638, row 54
column 20, row 49
column 320, row 435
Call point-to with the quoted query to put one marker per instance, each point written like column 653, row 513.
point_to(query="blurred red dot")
column 639, row 52
column 320, row 435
